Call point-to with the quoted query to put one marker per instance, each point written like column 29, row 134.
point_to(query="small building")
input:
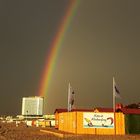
column 99, row 121
column 90, row 121
column 132, row 120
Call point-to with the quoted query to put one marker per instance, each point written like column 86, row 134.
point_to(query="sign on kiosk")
column 98, row 120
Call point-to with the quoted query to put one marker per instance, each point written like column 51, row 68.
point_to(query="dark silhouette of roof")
column 129, row 110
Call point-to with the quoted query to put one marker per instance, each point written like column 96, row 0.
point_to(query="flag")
column 116, row 91
column 70, row 97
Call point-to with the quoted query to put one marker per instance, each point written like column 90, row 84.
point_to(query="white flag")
column 70, row 98
column 116, row 91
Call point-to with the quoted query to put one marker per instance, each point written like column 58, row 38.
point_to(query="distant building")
column 32, row 106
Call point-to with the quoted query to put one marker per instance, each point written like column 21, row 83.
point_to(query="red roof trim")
column 104, row 109
column 65, row 110
column 123, row 110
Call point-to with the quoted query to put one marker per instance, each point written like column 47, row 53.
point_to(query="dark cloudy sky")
column 103, row 41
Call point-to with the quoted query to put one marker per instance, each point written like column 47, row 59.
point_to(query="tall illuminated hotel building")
column 32, row 106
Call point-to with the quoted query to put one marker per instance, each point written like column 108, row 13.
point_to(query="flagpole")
column 113, row 95
column 69, row 97
column 114, row 105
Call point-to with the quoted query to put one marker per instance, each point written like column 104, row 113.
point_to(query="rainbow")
column 55, row 47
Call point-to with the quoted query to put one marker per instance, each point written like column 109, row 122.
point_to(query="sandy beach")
column 9, row 131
